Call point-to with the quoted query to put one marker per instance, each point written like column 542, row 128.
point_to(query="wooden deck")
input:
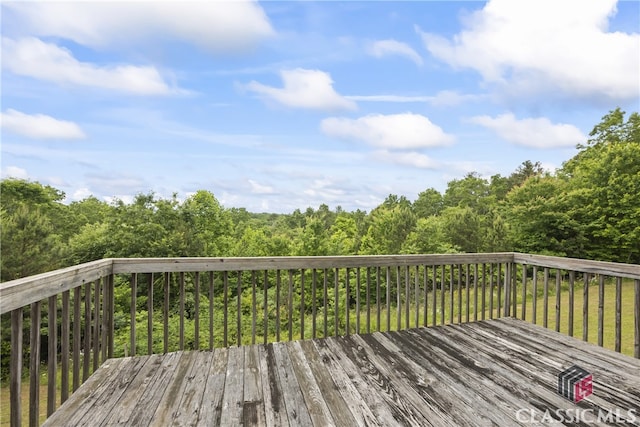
column 494, row 372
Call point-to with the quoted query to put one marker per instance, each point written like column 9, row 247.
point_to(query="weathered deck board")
column 479, row 373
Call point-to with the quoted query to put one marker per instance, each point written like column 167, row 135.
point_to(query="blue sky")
column 279, row 105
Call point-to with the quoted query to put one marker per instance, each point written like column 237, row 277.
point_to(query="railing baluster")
column 34, row 366
column 585, row 308
column 111, row 309
column 165, row 312
column 442, row 294
column 302, row 306
column 491, row 291
column 96, row 324
column 15, row 363
column 407, row 296
column 572, row 279
column 416, row 282
column 459, row 266
column 378, row 280
column 357, row 290
column 52, row 353
column 277, row 306
column 225, row 308
column 618, row 313
column 265, row 279
column 347, row 302
column 398, row 300
column 290, row 305
column 451, row 287
column 368, row 300
column 239, row 308
column 558, row 300
column 134, row 310
column 388, row 301
column 325, row 281
column 636, row 317
column 475, row 292
column 181, row 310
column 253, row 307
column 314, row 305
column 534, row 301
column 467, row 293
column 434, row 296
column 150, row 315
column 211, row 298
column 64, row 348
column 77, row 302
column 484, row 290
column 601, row 279
column 499, row 290
column 545, row 310
column 523, row 315
column 336, row 312
column 86, row 357
column 196, row 315
column 425, row 283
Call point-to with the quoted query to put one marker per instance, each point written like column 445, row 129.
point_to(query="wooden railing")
column 202, row 303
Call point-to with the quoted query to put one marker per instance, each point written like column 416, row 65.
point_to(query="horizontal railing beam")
column 614, row 269
column 175, row 265
column 22, row 292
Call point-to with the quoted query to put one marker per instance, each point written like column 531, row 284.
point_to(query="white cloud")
column 394, row 131
column 383, row 48
column 546, row 45
column 537, row 133
column 444, row 98
column 39, row 126
column 408, row 158
column 226, row 26
column 81, row 194
column 311, row 89
column 45, row 61
column 257, row 188
column 14, row 172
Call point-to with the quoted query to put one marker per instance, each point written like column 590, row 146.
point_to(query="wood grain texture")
column 478, row 373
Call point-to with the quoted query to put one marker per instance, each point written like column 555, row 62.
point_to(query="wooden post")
column 15, row 369
column 636, row 316
column 34, row 366
column 52, row 355
column 133, row 312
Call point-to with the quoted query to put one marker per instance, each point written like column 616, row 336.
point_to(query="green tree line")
column 589, row 208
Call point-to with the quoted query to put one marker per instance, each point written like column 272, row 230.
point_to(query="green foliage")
column 589, row 208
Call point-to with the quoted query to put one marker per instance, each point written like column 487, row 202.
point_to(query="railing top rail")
column 22, row 292
column 163, row 265
column 614, row 269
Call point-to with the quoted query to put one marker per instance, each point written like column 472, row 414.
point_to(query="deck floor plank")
column 340, row 411
column 233, row 397
column 478, row 373
column 214, row 388
column 296, row 407
column 253, row 411
column 316, row 405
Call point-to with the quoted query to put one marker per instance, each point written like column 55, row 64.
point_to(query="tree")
column 428, row 203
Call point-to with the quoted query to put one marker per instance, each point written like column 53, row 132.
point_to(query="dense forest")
column 589, row 208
